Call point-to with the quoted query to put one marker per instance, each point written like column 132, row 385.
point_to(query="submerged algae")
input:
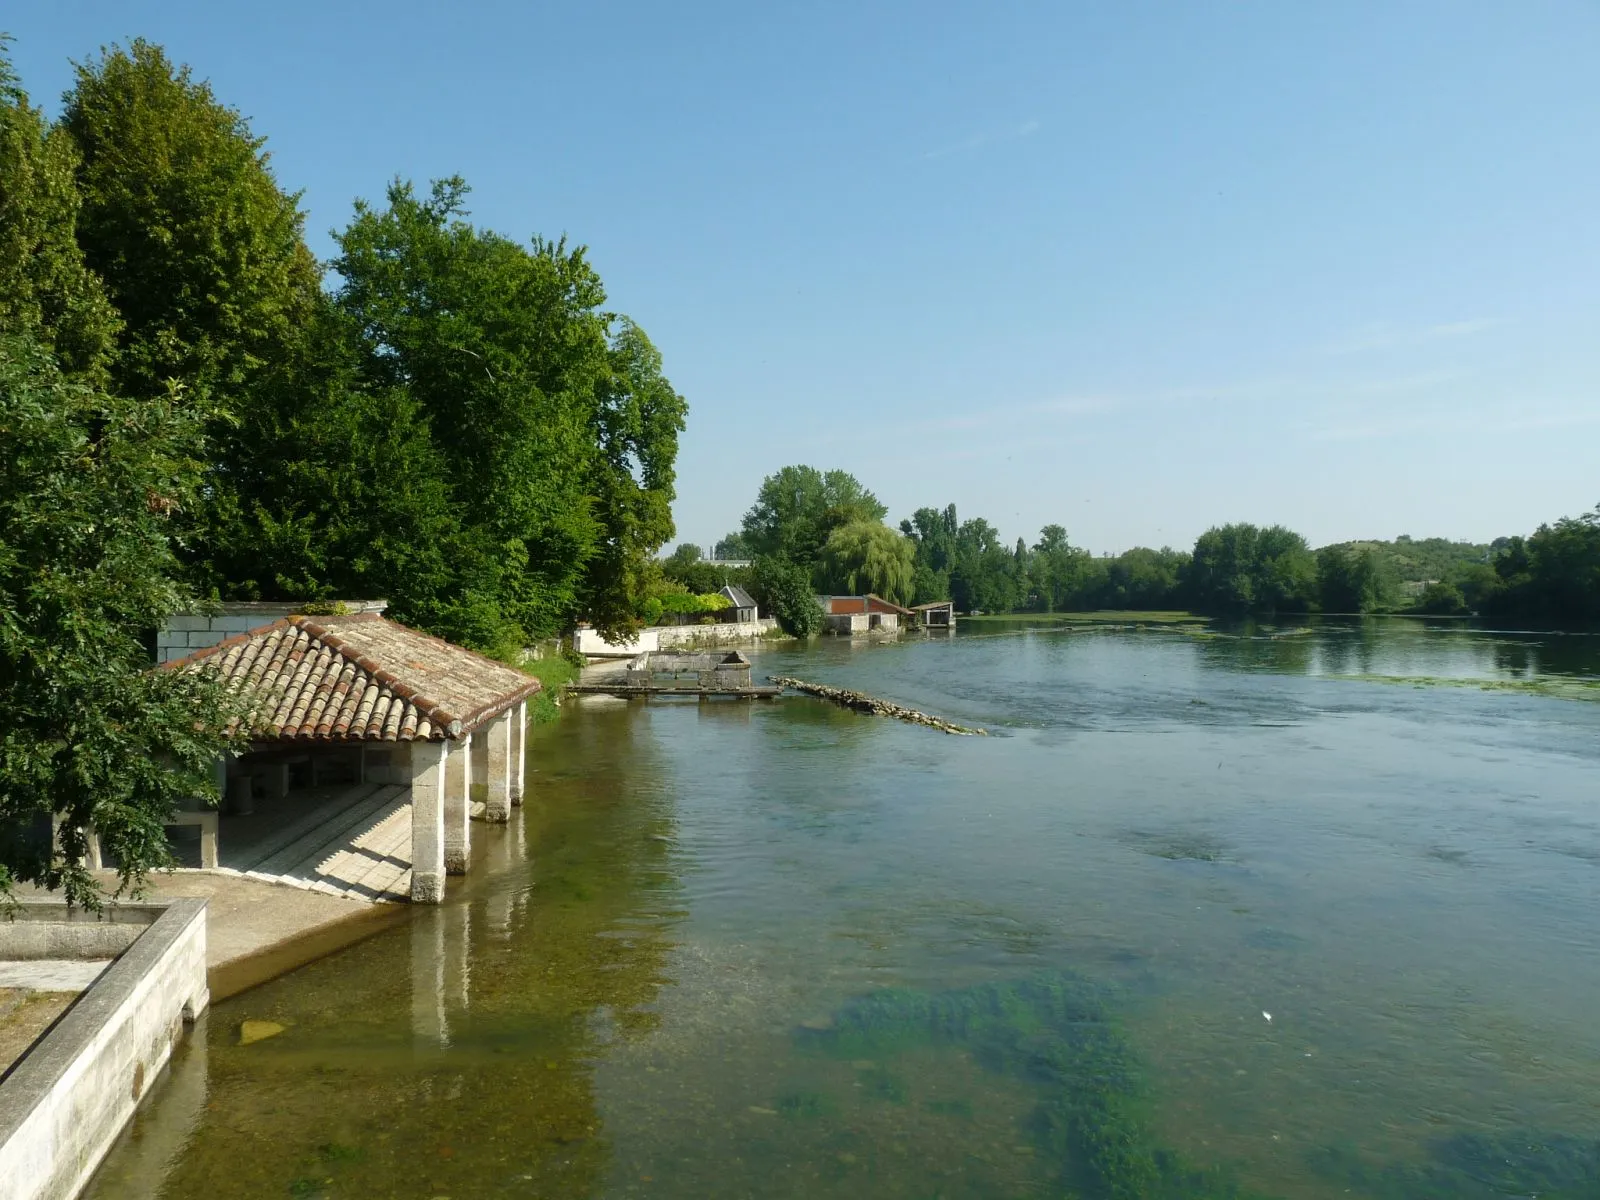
column 1091, row 1126
column 1054, row 1031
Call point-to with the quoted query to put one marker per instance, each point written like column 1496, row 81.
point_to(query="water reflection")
column 453, row 1055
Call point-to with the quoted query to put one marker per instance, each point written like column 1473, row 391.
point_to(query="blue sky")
column 1135, row 268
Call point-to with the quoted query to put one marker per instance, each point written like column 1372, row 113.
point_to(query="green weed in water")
column 1477, row 1167
column 1055, row 1031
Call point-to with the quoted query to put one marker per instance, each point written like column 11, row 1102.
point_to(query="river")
column 1209, row 914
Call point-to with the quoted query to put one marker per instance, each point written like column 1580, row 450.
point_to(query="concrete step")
column 306, row 851
column 293, row 832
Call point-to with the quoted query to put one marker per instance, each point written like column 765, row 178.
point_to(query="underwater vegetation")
column 1055, row 1031
column 1477, row 1167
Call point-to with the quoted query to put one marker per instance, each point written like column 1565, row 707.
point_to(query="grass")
column 1101, row 616
column 555, row 672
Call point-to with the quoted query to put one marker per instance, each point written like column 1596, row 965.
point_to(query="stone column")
column 430, row 763
column 497, row 737
column 519, row 749
column 458, row 807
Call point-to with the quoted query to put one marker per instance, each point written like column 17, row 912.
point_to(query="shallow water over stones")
column 790, row 950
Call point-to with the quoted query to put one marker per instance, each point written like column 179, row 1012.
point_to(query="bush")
column 784, row 590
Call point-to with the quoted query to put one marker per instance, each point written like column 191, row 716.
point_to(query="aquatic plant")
column 1472, row 1166
column 1054, row 1031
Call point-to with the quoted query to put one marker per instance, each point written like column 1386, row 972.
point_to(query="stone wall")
column 713, row 635
column 69, row 1097
column 589, row 643
column 186, row 633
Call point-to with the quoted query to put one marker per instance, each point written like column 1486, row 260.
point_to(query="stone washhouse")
column 361, row 701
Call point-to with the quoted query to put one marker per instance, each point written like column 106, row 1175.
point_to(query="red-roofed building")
column 360, row 700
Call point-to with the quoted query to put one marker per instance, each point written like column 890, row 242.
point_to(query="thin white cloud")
column 1386, row 337
column 986, row 138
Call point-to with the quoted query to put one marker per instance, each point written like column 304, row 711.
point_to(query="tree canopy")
column 47, row 292
column 92, row 736
column 798, row 507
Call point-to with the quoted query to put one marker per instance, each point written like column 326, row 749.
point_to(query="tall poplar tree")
column 47, row 293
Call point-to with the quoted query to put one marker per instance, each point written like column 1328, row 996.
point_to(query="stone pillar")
column 519, row 749
column 458, row 807
column 430, row 762
column 497, row 740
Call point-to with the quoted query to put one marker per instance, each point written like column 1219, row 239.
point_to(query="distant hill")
column 1412, row 562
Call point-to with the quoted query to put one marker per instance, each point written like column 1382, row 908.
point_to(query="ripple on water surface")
column 1208, row 922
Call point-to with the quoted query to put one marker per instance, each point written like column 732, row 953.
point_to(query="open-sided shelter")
column 360, row 698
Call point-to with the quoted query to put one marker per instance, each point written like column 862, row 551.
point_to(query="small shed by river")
column 940, row 614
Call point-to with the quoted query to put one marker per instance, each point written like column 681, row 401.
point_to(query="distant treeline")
column 831, row 527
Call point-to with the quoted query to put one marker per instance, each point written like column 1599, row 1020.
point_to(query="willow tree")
column 867, row 556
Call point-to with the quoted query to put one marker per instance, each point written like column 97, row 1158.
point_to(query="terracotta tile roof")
column 360, row 678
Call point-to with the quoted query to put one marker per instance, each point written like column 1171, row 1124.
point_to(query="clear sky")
column 1135, row 268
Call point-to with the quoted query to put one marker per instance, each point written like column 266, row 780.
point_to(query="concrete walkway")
column 256, row 929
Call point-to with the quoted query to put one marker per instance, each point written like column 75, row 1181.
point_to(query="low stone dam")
column 861, row 702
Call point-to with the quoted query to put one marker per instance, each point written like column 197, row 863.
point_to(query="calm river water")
column 1201, row 920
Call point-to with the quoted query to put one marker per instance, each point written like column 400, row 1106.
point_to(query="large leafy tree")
column 555, row 428
column 47, row 293
column 1553, row 574
column 636, row 424
column 200, row 250
column 1241, row 568
column 867, row 556
column 1352, row 579
column 799, row 506
column 92, row 736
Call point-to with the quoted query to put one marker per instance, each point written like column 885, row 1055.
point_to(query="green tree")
column 784, row 590
column 1060, row 571
column 798, row 507
column 867, row 556
column 1352, row 578
column 47, row 293
column 984, row 576
column 200, row 251
column 732, row 545
column 1441, row 598
column 557, row 431
column 684, row 554
column 1240, row 568
column 92, row 736
column 633, row 480
column 343, row 492
column 1554, row 574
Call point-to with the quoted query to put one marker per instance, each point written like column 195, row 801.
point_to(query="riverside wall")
column 67, row 1099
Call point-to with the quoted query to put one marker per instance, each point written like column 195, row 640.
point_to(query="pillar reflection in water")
column 441, row 983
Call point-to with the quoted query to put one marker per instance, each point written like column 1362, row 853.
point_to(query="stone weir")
column 861, row 702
